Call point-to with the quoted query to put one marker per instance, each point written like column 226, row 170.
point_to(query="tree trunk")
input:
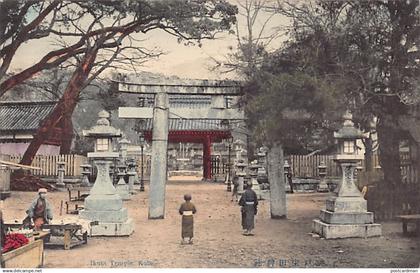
column 65, row 106
column 389, row 158
column 67, row 134
column 368, row 154
column 275, row 161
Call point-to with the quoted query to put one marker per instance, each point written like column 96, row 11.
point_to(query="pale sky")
column 180, row 60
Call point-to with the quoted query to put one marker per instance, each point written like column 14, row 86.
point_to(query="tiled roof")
column 23, row 116
column 189, row 125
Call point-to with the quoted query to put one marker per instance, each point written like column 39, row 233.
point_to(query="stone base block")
column 265, row 194
column 119, row 216
column 113, row 229
column 323, row 187
column 346, row 218
column 103, row 202
column 336, row 231
column 346, row 204
column 124, row 194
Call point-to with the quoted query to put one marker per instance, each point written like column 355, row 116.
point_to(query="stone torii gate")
column 160, row 113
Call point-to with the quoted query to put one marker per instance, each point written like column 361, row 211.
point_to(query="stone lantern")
column 61, row 168
column 346, row 212
column 253, row 173
column 123, row 148
column 86, row 171
column 132, row 175
column 287, row 176
column 104, row 205
column 122, row 187
column 241, row 175
column 322, row 172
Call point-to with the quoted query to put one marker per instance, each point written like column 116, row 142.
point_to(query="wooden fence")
column 48, row 164
column 307, row 166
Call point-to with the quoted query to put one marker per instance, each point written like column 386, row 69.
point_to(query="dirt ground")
column 218, row 239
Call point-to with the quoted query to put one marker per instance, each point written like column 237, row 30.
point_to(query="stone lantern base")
column 346, row 217
column 105, row 206
column 108, row 211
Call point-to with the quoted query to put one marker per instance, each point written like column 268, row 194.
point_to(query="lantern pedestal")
column 104, row 205
column 346, row 215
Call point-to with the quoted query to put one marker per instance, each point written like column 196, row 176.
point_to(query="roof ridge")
column 28, row 102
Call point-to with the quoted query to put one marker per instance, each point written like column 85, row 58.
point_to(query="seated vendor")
column 40, row 211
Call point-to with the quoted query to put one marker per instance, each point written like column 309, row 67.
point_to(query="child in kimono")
column 187, row 210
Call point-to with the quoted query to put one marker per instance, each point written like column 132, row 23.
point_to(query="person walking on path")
column 187, row 210
column 248, row 203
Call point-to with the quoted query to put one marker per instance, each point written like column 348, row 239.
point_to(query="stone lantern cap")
column 124, row 141
column 241, row 165
column 102, row 128
column 322, row 165
column 254, row 167
column 348, row 131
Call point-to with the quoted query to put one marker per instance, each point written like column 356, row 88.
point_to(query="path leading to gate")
column 218, row 239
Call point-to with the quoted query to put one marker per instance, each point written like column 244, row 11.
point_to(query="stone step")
column 336, row 231
column 346, row 217
column 346, row 204
column 119, row 216
column 113, row 229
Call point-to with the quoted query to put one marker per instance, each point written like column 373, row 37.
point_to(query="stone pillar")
column 207, row 158
column 275, row 161
column 159, row 170
column 61, row 170
column 105, row 206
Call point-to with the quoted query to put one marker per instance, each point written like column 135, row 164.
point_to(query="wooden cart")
column 30, row 255
column 68, row 232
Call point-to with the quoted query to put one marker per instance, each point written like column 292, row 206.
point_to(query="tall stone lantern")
column 346, row 212
column 103, row 204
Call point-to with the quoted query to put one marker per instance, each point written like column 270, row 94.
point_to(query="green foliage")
column 295, row 109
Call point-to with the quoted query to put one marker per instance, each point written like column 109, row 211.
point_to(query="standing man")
column 40, row 210
column 187, row 210
column 248, row 203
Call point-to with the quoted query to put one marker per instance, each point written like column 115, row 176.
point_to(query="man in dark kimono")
column 248, row 203
column 187, row 210
column 40, row 210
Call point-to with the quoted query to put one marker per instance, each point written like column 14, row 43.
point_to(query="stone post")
column 61, row 170
column 158, row 174
column 275, row 161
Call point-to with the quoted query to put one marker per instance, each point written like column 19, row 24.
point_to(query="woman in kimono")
column 187, row 210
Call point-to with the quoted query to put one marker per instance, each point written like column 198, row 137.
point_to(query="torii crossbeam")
column 161, row 115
